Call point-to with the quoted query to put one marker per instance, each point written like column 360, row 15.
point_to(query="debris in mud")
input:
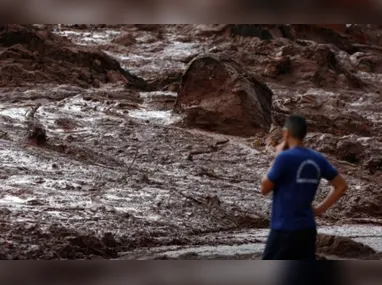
column 366, row 205
column 191, row 154
column 326, row 34
column 196, row 256
column 148, row 27
column 374, row 164
column 342, row 247
column 274, row 137
column 367, row 62
column 167, row 82
column 3, row 135
column 37, row 134
column 65, row 123
column 216, row 94
column 324, row 114
column 210, row 149
column 160, row 101
column 56, row 243
column 328, row 61
column 276, row 66
column 36, row 131
column 367, row 34
column 318, row 65
column 33, row 56
column 350, row 148
column 297, row 62
column 125, row 39
column 263, row 32
column 350, row 151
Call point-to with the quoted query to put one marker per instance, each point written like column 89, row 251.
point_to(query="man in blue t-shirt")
column 294, row 178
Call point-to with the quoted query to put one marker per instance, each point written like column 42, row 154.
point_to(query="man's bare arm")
column 266, row 185
column 339, row 188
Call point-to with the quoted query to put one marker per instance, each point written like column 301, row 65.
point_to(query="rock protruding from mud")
column 217, row 94
column 29, row 55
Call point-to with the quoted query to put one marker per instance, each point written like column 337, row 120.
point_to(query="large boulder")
column 217, row 94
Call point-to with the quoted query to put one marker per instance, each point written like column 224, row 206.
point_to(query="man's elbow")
column 264, row 191
column 342, row 188
column 340, row 185
column 266, row 186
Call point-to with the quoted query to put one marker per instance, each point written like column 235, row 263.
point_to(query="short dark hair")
column 297, row 126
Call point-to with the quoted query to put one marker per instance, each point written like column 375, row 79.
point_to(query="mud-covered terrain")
column 148, row 141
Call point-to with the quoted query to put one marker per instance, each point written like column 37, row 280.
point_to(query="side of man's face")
column 285, row 134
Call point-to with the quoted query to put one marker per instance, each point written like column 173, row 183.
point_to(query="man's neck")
column 296, row 143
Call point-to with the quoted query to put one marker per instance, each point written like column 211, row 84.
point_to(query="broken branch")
column 133, row 161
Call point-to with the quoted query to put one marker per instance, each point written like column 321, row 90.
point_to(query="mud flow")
column 115, row 144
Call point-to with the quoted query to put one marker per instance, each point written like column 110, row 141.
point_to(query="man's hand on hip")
column 318, row 211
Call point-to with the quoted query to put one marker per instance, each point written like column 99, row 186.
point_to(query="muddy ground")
column 120, row 176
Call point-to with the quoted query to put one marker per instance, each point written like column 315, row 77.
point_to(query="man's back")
column 296, row 174
column 294, row 178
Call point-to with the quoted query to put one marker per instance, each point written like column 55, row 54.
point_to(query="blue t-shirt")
column 296, row 174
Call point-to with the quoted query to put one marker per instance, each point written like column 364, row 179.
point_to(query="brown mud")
column 37, row 56
column 121, row 175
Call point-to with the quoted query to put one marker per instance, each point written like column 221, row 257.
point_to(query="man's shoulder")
column 285, row 154
column 308, row 153
column 317, row 154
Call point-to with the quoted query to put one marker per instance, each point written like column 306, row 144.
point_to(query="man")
column 294, row 177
